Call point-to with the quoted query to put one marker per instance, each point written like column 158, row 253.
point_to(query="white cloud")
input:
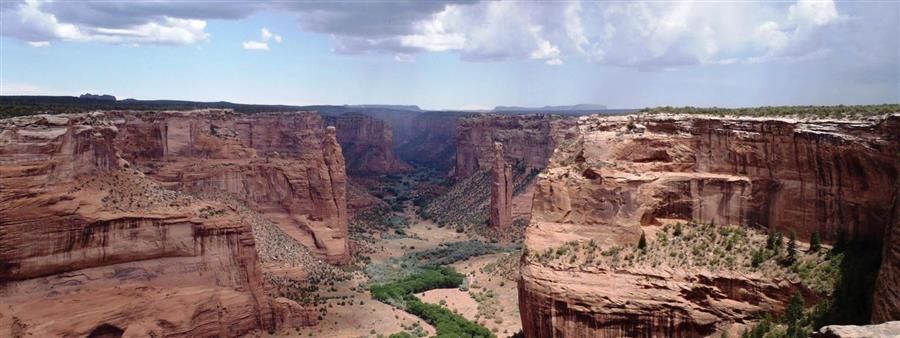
column 769, row 34
column 266, row 35
column 405, row 58
column 546, row 51
column 256, row 45
column 813, row 12
column 29, row 21
column 39, row 44
column 650, row 35
column 645, row 35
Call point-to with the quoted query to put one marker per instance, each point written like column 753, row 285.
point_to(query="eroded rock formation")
column 284, row 165
column 501, row 190
column 626, row 172
column 367, row 143
column 529, row 140
column 90, row 245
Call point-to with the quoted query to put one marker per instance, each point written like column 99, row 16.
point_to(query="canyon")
column 210, row 222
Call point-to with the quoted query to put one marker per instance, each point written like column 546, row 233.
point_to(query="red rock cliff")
column 822, row 176
column 89, row 245
column 284, row 165
column 367, row 143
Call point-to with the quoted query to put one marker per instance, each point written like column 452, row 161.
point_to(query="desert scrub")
column 488, row 305
column 727, row 249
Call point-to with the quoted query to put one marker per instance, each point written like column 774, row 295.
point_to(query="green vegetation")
column 849, row 112
column 642, row 243
column 814, row 243
column 419, row 261
column 448, row 324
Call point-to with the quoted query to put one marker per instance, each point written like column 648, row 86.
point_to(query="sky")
column 458, row 54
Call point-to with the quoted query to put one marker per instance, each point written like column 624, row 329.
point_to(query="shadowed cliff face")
column 826, row 177
column 367, row 143
column 286, row 166
column 887, row 289
column 528, row 140
column 431, row 141
column 78, row 225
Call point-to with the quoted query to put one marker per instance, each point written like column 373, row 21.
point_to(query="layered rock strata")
column 284, row 165
column 90, row 246
column 623, row 173
column 501, row 190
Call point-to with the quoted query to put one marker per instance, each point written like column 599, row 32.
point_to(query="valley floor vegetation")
column 400, row 293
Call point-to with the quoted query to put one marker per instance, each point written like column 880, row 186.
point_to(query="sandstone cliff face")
column 529, row 140
column 501, row 190
column 824, row 176
column 284, row 165
column 88, row 244
column 367, row 143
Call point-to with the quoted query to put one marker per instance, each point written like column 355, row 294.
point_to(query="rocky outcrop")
column 885, row 330
column 625, row 173
column 284, row 165
column 501, row 190
column 88, row 245
column 529, row 140
column 367, row 143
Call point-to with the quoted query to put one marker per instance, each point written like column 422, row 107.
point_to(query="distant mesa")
column 388, row 106
column 104, row 97
column 577, row 107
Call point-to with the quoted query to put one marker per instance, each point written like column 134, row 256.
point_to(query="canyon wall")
column 623, row 173
column 528, row 141
column 89, row 245
column 431, row 141
column 367, row 143
column 886, row 305
column 283, row 165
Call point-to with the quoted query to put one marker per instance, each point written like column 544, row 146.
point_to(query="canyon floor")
column 491, row 298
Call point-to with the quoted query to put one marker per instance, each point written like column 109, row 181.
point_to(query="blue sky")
column 458, row 54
